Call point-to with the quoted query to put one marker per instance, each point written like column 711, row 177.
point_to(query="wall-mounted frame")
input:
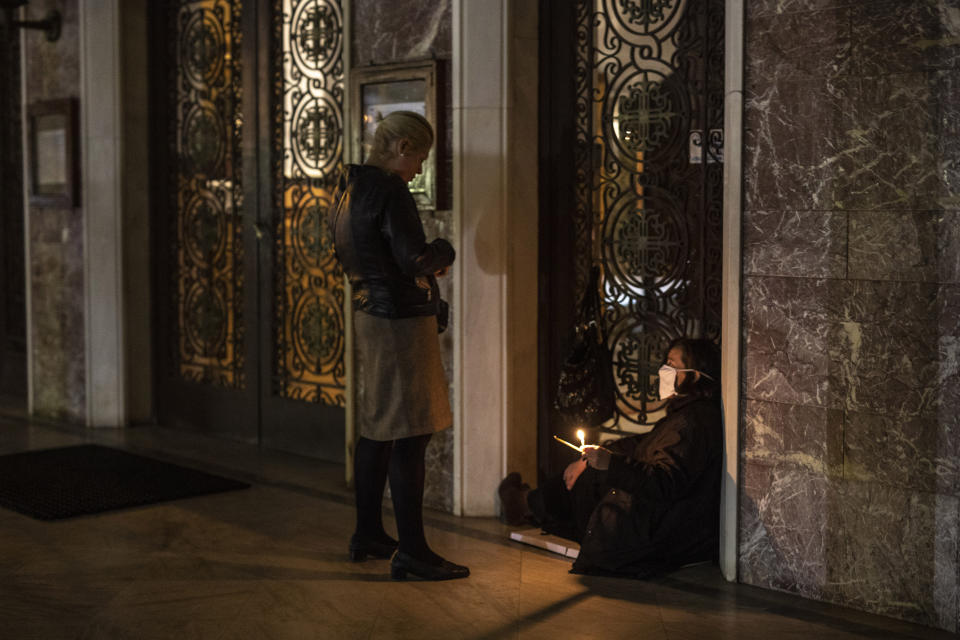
column 52, row 147
column 378, row 90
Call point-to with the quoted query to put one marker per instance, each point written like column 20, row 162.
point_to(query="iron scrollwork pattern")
column 307, row 157
column 649, row 74
column 205, row 134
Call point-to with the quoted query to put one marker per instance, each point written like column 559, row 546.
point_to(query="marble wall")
column 56, row 238
column 850, row 460
column 400, row 31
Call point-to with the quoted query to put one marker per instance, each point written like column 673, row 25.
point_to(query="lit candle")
column 580, row 435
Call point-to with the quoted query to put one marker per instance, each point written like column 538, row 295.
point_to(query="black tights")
column 404, row 461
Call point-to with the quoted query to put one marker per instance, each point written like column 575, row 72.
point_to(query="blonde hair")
column 396, row 126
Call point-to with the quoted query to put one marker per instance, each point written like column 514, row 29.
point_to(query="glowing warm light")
column 580, row 435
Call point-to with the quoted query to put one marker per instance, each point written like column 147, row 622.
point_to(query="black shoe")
column 360, row 548
column 403, row 563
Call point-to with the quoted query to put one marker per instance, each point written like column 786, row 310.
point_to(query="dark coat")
column 663, row 506
column 380, row 242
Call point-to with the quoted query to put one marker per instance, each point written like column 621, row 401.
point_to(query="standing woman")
column 393, row 271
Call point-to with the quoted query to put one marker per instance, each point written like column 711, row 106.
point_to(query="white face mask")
column 668, row 380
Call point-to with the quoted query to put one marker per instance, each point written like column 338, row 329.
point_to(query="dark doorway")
column 631, row 175
column 13, row 308
column 247, row 99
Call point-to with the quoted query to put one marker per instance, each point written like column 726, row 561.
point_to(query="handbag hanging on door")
column 586, row 390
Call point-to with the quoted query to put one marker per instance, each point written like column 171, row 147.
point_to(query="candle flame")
column 580, row 435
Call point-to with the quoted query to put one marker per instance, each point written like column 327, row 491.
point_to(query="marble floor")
column 270, row 562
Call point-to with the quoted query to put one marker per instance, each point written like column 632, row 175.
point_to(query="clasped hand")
column 596, row 457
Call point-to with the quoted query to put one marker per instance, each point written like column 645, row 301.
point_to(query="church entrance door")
column 248, row 135
column 631, row 181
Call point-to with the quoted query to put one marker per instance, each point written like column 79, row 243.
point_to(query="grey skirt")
column 401, row 386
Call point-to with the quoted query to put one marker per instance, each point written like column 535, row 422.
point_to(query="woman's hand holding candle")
column 596, row 457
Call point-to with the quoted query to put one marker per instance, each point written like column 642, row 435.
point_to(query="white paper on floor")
column 536, row 538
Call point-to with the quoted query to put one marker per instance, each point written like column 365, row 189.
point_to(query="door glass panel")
column 208, row 251
column 649, row 179
column 308, row 94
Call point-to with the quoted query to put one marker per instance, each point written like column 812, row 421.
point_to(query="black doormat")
column 53, row 484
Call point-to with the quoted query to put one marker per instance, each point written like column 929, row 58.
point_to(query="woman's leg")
column 371, row 462
column 407, row 474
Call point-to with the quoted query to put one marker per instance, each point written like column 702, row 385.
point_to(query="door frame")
column 304, row 430
column 730, row 278
column 255, row 414
column 197, row 401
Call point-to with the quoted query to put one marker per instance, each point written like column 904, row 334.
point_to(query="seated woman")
column 646, row 503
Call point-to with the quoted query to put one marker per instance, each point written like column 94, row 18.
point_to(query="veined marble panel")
column 794, row 346
column 53, row 69
column 921, row 246
column 888, row 152
column 891, row 36
column 948, row 371
column 948, row 248
column 948, row 318
column 401, row 30
column 894, row 245
column 794, row 136
column 758, row 8
column 788, row 522
column 891, row 363
column 948, row 139
column 888, row 302
column 866, row 346
column 809, row 244
column 810, row 438
column 438, row 484
column 56, row 238
column 852, row 188
column 57, row 314
column 799, row 47
column 900, row 556
column 922, row 454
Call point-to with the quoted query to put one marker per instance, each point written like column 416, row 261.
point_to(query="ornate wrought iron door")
column 303, row 323
column 253, row 324
column 308, row 119
column 649, row 105
column 206, row 134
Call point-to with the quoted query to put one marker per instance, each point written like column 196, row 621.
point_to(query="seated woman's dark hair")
column 704, row 356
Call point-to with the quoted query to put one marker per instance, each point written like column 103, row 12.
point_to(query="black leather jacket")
column 379, row 240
